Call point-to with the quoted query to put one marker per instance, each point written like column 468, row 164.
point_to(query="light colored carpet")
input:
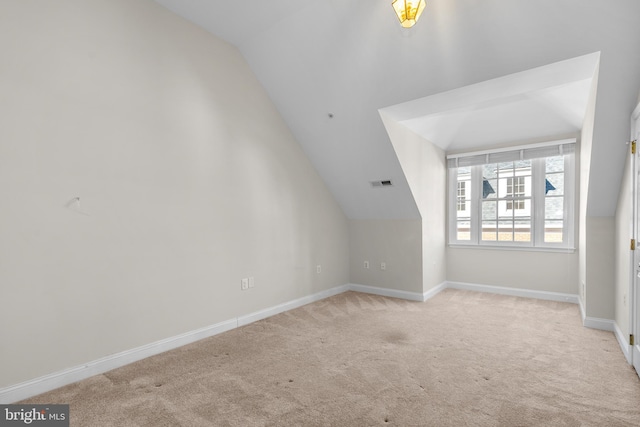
column 461, row 358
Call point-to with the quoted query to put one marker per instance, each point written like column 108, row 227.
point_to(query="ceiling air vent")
column 382, row 183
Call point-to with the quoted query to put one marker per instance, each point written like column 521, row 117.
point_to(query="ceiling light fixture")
column 408, row 11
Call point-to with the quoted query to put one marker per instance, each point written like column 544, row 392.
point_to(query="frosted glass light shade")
column 408, row 11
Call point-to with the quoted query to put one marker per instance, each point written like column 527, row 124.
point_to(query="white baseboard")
column 434, row 291
column 55, row 380
column 393, row 293
column 59, row 379
column 589, row 322
column 290, row 305
column 525, row 293
column 597, row 323
column 624, row 344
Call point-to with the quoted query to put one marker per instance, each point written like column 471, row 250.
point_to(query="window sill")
column 513, row 248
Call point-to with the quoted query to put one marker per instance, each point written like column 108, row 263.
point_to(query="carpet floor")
column 460, row 359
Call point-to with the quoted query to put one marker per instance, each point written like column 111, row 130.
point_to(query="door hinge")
column 633, row 244
column 631, row 340
column 633, row 147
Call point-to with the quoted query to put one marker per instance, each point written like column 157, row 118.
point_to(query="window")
column 462, row 201
column 521, row 196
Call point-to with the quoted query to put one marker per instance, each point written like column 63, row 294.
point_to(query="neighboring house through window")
column 515, row 190
column 462, row 201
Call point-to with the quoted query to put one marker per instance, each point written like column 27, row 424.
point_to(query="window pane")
column 505, row 187
column 522, row 207
column 505, row 209
column 461, row 201
column 464, row 230
column 554, row 164
column 490, row 171
column 554, row 184
column 463, row 215
column 489, row 187
column 489, row 232
column 553, row 231
column 525, row 186
column 505, row 168
column 505, row 231
column 463, row 193
column 489, row 211
column 553, row 208
column 523, row 231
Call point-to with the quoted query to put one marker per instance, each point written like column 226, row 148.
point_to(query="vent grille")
column 382, row 183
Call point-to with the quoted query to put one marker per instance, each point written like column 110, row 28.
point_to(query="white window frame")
column 538, row 196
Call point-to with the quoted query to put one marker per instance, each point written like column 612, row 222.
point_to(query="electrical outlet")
column 318, row 269
column 252, row 282
column 366, row 265
column 624, row 298
column 244, row 284
column 383, row 266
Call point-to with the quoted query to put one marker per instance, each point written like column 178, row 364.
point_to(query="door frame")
column 633, row 293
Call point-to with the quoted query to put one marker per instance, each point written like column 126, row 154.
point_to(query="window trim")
column 538, row 211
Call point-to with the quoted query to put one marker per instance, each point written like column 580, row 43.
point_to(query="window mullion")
column 538, row 200
column 568, row 230
column 453, row 203
column 476, row 205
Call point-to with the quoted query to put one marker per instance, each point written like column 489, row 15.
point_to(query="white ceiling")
column 351, row 58
column 533, row 104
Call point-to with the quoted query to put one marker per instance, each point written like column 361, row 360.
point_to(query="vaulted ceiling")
column 330, row 66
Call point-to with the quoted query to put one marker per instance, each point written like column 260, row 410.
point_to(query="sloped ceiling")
column 529, row 105
column 351, row 58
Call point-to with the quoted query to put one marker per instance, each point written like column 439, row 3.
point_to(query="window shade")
column 511, row 154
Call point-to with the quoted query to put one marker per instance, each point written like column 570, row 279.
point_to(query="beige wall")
column 424, row 166
column 187, row 176
column 623, row 256
column 539, row 271
column 596, row 234
column 600, row 267
column 586, row 141
column 522, row 269
column 397, row 243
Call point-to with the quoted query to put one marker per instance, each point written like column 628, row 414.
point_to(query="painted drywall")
column 596, row 267
column 586, row 143
column 623, row 254
column 539, row 271
column 600, row 267
column 424, row 167
column 143, row 172
column 519, row 269
column 397, row 243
